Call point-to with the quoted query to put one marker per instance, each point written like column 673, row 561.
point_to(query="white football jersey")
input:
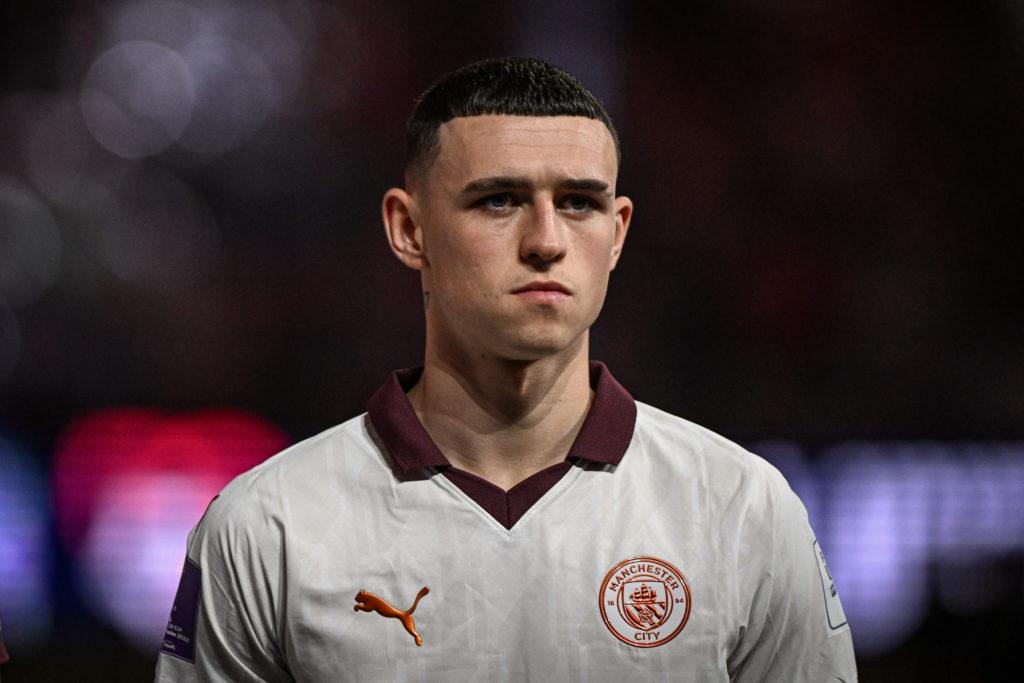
column 658, row 551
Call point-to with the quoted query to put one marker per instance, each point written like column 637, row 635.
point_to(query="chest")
column 594, row 579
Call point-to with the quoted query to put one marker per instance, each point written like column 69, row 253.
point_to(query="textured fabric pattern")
column 286, row 547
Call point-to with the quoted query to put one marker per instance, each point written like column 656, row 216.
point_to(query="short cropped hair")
column 518, row 86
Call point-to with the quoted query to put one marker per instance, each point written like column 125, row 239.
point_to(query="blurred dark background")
column 826, row 251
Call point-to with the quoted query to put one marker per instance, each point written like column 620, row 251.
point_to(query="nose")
column 543, row 238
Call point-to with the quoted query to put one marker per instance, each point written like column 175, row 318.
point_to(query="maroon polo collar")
column 603, row 438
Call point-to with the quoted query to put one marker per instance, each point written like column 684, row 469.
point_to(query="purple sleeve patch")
column 180, row 638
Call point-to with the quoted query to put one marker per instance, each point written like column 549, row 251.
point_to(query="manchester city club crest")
column 645, row 601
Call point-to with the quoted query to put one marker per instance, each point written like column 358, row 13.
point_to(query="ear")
column 404, row 235
column 623, row 213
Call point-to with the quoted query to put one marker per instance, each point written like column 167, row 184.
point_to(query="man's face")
column 520, row 228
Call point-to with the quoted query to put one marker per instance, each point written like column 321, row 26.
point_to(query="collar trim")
column 603, row 438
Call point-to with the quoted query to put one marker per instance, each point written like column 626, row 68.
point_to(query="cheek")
column 463, row 266
column 599, row 256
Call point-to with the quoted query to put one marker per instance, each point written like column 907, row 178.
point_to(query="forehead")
column 489, row 145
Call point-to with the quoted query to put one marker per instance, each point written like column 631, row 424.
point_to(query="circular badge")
column 645, row 601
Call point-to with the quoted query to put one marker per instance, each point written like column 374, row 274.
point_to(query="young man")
column 508, row 512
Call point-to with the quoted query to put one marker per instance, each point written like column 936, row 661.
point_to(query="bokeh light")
column 877, row 546
column 137, row 98
column 26, row 561
column 129, row 484
column 234, row 92
column 200, row 75
column 30, row 244
column 60, row 158
column 154, row 230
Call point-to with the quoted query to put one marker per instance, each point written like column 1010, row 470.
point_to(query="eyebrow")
column 496, row 183
column 585, row 185
column 519, row 183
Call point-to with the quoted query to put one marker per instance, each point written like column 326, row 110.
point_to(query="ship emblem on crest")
column 642, row 607
column 645, row 601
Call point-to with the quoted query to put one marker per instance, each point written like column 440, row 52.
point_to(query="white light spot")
column 233, row 89
column 137, row 98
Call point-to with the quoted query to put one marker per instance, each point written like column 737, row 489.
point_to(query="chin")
column 536, row 348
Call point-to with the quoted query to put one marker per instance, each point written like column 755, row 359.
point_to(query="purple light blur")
column 25, row 559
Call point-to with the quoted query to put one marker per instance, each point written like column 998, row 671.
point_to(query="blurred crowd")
column 826, row 194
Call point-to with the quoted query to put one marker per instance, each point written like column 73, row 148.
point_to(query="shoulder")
column 680, row 444
column 720, row 481
column 299, row 481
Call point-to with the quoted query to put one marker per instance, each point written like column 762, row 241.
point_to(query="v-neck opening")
column 507, row 507
column 603, row 438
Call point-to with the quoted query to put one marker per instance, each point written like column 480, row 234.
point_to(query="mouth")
column 555, row 287
column 543, row 292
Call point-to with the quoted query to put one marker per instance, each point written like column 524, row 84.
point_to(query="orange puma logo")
column 368, row 602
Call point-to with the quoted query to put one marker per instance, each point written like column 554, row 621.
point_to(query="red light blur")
column 216, row 445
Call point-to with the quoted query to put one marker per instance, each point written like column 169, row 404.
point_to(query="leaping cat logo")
column 368, row 602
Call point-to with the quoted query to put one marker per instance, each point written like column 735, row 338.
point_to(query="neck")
column 504, row 420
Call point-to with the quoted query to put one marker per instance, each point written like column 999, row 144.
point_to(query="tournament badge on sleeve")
column 645, row 602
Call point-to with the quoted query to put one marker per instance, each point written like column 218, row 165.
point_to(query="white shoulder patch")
column 833, row 608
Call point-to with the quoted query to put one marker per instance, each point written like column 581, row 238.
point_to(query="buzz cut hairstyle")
column 516, row 86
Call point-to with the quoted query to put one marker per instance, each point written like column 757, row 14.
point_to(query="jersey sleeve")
column 796, row 630
column 223, row 625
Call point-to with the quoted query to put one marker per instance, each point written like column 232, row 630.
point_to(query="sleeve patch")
column 180, row 638
column 833, row 608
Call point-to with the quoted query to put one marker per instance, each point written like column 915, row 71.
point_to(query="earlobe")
column 404, row 235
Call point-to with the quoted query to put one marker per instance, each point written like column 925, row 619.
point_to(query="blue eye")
column 578, row 203
column 497, row 201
